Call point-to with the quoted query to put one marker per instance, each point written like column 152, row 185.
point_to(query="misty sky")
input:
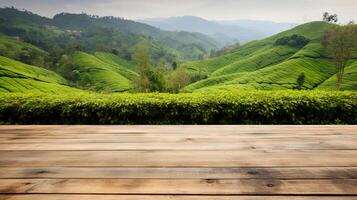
column 297, row 11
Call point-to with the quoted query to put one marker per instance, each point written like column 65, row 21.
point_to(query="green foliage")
column 178, row 80
column 174, row 65
column 300, row 81
column 233, row 107
column 296, row 41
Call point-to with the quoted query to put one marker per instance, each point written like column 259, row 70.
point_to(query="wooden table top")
column 178, row 162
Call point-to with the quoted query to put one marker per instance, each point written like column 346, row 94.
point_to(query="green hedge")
column 258, row 107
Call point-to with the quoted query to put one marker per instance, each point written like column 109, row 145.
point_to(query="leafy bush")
column 218, row 107
column 295, row 40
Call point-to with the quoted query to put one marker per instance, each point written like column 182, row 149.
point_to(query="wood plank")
column 180, row 186
column 49, row 134
column 183, row 129
column 176, row 131
column 167, row 197
column 177, row 137
column 181, row 173
column 333, row 141
column 188, row 162
column 193, row 146
column 242, row 158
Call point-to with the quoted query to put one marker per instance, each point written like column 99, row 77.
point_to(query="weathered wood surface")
column 178, row 162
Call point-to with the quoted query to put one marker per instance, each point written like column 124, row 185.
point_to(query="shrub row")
column 258, row 107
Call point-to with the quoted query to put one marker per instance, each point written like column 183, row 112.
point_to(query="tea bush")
column 216, row 107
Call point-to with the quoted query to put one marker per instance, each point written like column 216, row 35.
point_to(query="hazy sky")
column 275, row 10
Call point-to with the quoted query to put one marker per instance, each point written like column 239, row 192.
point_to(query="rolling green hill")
column 265, row 65
column 258, row 60
column 19, row 77
column 262, row 64
column 312, row 30
column 100, row 71
column 103, row 71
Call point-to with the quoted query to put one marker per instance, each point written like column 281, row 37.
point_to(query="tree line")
column 162, row 78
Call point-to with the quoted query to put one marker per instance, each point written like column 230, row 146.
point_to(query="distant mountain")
column 108, row 33
column 267, row 28
column 223, row 31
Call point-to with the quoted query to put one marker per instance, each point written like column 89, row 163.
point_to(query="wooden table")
column 178, row 162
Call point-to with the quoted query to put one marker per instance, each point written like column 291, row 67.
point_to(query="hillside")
column 14, row 48
column 349, row 79
column 103, row 71
column 264, row 65
column 100, row 71
column 93, row 33
column 19, row 77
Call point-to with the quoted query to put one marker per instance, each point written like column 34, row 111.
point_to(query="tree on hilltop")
column 330, row 18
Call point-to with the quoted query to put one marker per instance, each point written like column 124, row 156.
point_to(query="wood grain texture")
column 243, row 158
column 178, row 162
column 180, row 173
column 180, row 186
column 189, row 146
column 166, row 197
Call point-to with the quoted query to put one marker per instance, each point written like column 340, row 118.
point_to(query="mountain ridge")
column 226, row 32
